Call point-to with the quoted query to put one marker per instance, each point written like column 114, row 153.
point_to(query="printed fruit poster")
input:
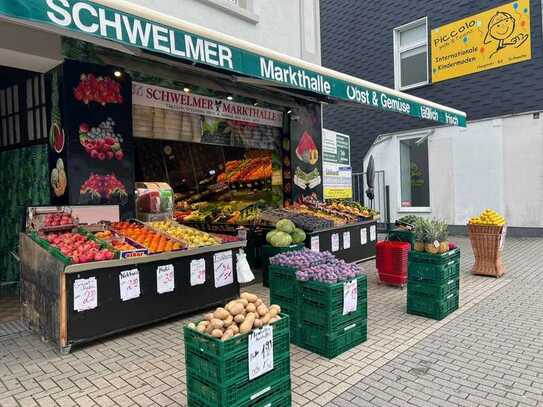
column 497, row 37
column 98, row 130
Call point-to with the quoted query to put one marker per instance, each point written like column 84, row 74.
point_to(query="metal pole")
column 387, row 201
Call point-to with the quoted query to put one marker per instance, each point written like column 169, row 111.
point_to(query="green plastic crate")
column 437, row 268
column 256, row 392
column 316, row 340
column 330, row 317
column 401, row 235
column 438, row 291
column 330, row 294
column 283, row 282
column 292, row 309
column 270, row 251
column 280, row 397
column 428, row 307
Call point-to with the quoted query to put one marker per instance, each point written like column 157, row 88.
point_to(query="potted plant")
column 420, row 233
column 432, row 242
column 443, row 236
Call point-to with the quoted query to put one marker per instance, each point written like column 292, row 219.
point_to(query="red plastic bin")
column 391, row 261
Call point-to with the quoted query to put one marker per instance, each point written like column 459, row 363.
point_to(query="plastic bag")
column 245, row 275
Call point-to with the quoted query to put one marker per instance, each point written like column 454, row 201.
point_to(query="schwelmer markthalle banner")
column 497, row 37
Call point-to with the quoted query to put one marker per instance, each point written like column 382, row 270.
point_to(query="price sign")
column 363, row 236
column 197, row 272
column 223, row 268
column 85, row 294
column 260, row 352
column 165, row 282
column 335, row 242
column 350, row 296
column 346, row 240
column 373, row 233
column 315, row 244
column 129, row 283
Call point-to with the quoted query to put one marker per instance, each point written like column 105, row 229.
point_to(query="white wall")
column 288, row 26
column 491, row 164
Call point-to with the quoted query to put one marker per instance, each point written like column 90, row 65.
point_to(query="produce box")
column 292, row 309
column 431, row 308
column 347, row 336
column 283, row 282
column 402, row 235
column 437, row 291
column 437, row 268
column 270, row 251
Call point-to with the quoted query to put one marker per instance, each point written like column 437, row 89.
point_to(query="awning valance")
column 129, row 24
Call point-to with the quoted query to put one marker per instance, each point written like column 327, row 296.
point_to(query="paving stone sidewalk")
column 407, row 360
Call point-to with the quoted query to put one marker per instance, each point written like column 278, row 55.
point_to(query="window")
column 414, row 173
column 239, row 8
column 411, row 55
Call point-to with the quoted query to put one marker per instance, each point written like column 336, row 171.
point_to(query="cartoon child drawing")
column 500, row 29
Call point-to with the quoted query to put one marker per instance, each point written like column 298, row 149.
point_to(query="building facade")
column 452, row 53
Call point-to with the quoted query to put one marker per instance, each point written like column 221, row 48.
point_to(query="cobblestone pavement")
column 490, row 352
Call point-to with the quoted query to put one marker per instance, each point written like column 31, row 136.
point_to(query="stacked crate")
column 269, row 251
column 218, row 371
column 433, row 286
column 285, row 292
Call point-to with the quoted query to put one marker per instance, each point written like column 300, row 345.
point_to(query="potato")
column 191, row 325
column 262, row 310
column 258, row 324
column 234, row 328
column 217, row 333
column 228, row 321
column 237, row 309
column 217, row 323
column 247, row 325
column 202, row 326
column 275, row 319
column 258, row 302
column 266, row 318
column 239, row 318
column 227, row 335
column 273, row 312
column 221, row 313
column 276, row 307
column 243, row 302
column 233, row 302
column 209, row 316
column 250, row 308
column 249, row 297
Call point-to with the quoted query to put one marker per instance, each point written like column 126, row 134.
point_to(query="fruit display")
column 321, row 266
column 238, row 317
column 192, row 237
column 58, row 219
column 78, row 247
column 488, row 217
column 98, row 188
column 102, row 90
column 231, row 213
column 155, row 242
column 351, row 208
column 285, row 234
column 307, row 150
column 226, row 238
column 247, row 170
column 306, row 222
column 101, row 143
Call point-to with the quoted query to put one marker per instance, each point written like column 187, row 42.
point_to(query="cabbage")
column 281, row 239
column 298, row 236
column 269, row 235
column 285, row 225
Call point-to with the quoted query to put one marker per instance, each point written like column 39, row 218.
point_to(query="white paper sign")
column 346, row 240
column 197, row 272
column 165, row 282
column 502, row 238
column 363, row 236
column 129, row 283
column 373, row 233
column 223, row 268
column 350, row 296
column 315, row 244
column 85, row 294
column 260, row 352
column 335, row 242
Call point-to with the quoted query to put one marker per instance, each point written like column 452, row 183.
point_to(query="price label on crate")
column 260, row 352
column 373, row 233
column 315, row 244
column 346, row 240
column 85, row 294
column 129, row 283
column 165, row 282
column 350, row 296
column 197, row 272
column 335, row 242
column 363, row 236
column 223, row 267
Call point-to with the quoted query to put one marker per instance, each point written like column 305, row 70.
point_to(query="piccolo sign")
column 107, row 23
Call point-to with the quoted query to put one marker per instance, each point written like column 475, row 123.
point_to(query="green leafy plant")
column 421, row 229
column 442, row 230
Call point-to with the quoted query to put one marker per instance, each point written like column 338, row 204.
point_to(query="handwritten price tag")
column 197, row 272
column 223, row 267
column 346, row 240
column 363, row 236
column 335, row 242
column 373, row 233
column 315, row 244
column 129, row 283
column 260, row 352
column 350, row 296
column 165, row 281
column 85, row 294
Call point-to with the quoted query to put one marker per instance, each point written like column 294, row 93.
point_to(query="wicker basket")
column 487, row 243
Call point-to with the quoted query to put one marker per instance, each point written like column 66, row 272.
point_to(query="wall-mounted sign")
column 338, row 183
column 186, row 102
column 497, row 37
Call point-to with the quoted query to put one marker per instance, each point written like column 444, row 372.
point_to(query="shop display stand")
column 487, row 243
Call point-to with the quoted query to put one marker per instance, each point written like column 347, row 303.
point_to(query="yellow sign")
column 338, row 193
column 488, row 40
